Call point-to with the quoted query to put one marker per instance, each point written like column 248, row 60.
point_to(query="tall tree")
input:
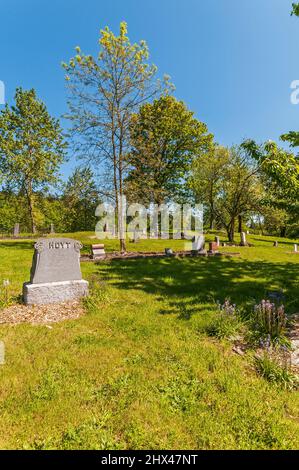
column 81, row 197
column 280, row 170
column 165, row 138
column 206, row 179
column 278, row 164
column 32, row 147
column 104, row 92
column 236, row 188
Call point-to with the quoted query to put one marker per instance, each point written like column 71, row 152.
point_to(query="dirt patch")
column 41, row 314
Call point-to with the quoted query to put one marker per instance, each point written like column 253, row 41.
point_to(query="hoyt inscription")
column 59, row 245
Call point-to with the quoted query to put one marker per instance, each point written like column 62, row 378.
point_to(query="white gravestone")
column 55, row 274
column 198, row 243
column 16, row 230
column 243, row 239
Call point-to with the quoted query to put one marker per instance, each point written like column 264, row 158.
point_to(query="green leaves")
column 32, row 146
column 165, row 137
column 295, row 9
column 280, row 165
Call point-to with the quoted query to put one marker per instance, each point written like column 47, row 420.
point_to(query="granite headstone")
column 55, row 274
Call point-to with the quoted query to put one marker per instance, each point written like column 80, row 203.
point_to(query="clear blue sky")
column 232, row 61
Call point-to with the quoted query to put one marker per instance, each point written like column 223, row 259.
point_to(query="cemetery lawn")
column 138, row 371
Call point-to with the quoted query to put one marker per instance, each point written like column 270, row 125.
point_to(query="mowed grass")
column 137, row 371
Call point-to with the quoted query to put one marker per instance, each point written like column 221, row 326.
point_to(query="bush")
column 226, row 323
column 275, row 371
column 268, row 324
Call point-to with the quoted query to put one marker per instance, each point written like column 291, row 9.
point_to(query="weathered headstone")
column 217, row 240
column 296, row 248
column 55, row 274
column 198, row 243
column 52, row 229
column 275, row 244
column 243, row 239
column 16, row 230
column 98, row 251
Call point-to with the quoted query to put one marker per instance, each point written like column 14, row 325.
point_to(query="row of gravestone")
column 56, row 274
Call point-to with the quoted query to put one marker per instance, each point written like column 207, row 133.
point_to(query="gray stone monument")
column 217, row 240
column 243, row 239
column 198, row 243
column 296, row 248
column 55, row 274
column 16, row 230
column 52, row 229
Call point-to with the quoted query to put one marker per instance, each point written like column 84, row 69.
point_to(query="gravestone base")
column 54, row 292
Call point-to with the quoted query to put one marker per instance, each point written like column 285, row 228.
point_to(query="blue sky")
column 232, row 61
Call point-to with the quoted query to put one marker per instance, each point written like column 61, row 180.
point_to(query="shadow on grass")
column 21, row 245
column 265, row 242
column 193, row 285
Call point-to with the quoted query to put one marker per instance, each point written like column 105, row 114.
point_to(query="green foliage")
column 279, row 170
column 165, row 138
column 81, row 198
column 295, row 9
column 226, row 323
column 280, row 165
column 227, row 182
column 274, row 372
column 268, row 323
column 31, row 146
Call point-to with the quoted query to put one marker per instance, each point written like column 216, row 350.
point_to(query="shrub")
column 268, row 324
column 276, row 371
column 226, row 323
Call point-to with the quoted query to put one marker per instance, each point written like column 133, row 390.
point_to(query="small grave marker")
column 168, row 252
column 243, row 239
column 98, row 251
column 16, row 230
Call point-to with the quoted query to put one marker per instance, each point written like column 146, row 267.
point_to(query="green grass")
column 138, row 370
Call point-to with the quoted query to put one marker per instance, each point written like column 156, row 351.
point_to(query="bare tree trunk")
column 231, row 230
column 29, row 196
column 211, row 221
column 122, row 219
column 240, row 224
